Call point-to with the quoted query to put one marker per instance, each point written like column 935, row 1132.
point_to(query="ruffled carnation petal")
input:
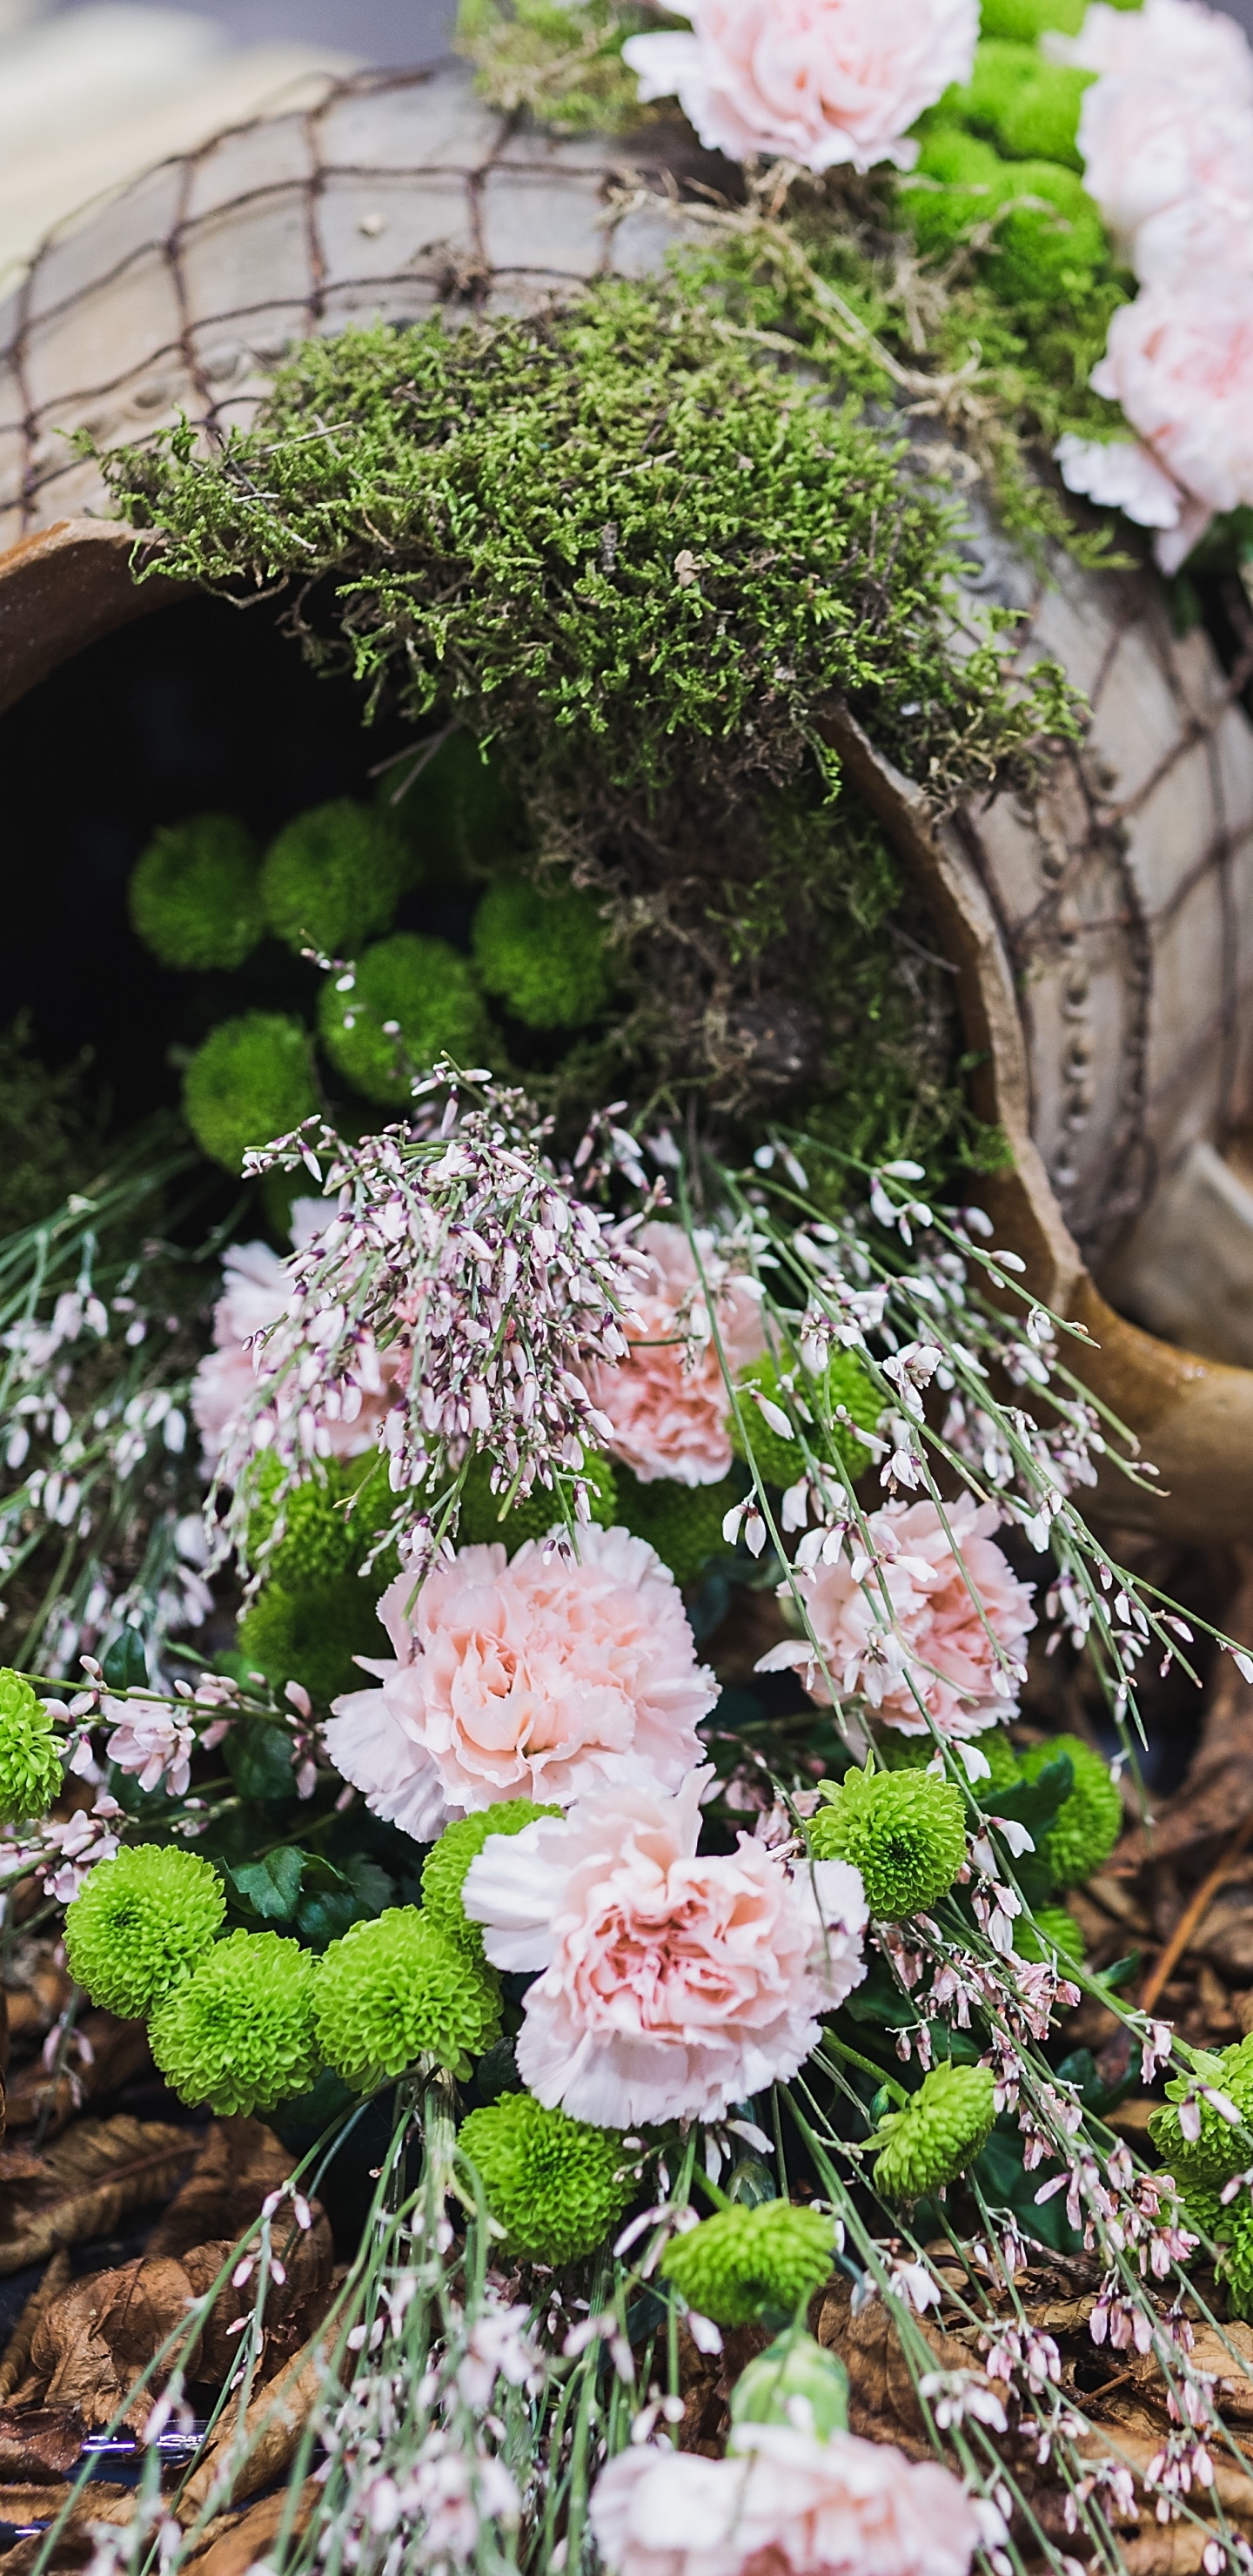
column 543, row 1677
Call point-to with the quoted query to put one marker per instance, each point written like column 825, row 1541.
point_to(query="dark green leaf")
column 270, row 1887
column 258, row 1756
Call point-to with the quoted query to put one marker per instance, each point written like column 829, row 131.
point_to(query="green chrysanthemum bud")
column 1024, row 21
column 557, row 2186
column 414, row 999
column 780, row 1461
column 1088, row 1823
column 939, row 2133
column 30, row 1762
column 398, row 1989
column 1050, row 1932
column 334, row 877
column 1031, row 106
column 1206, row 2162
column 480, row 1524
column 904, row 1830
column 682, row 1522
column 312, row 1636
column 792, row 2367
column 319, row 1541
column 1229, row 2225
column 445, row 1866
column 140, row 1923
column 1002, row 1761
column 238, row 2032
column 542, row 954
column 250, row 1081
column 195, row 896
column 744, row 2265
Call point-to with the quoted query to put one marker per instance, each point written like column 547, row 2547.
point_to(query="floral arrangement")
column 538, row 1586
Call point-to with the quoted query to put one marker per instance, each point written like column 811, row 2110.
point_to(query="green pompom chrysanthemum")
column 1206, row 2162
column 319, row 1540
column 397, row 1989
column 480, row 1524
column 238, row 2032
column 312, row 1636
column 1088, row 1822
column 445, row 1866
column 195, row 896
column 1229, row 2225
column 251, row 1081
column 30, row 1761
column 334, row 877
column 556, row 2185
column 938, row 2134
column 844, row 1386
column 743, row 2265
column 414, row 999
column 140, row 1923
column 904, row 1830
column 543, row 955
column 683, row 1523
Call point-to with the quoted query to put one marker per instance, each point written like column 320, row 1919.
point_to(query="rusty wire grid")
column 1123, row 896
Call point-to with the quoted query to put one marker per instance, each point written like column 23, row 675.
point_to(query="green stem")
column 886, row 2083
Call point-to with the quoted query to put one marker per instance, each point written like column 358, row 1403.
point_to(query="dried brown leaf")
column 74, row 2546
column 91, row 2344
column 119, row 2050
column 32, row 2504
column 86, row 2182
column 17, row 2349
column 268, row 2441
column 239, row 2163
column 234, row 2542
column 882, row 2401
column 39, row 2442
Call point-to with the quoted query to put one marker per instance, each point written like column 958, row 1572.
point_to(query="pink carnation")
column 1180, row 362
column 813, row 81
column 782, row 2504
column 1121, row 474
column 938, row 1650
column 1172, row 172
column 537, row 1679
column 668, row 1402
column 1195, row 50
column 255, row 1291
column 671, row 1985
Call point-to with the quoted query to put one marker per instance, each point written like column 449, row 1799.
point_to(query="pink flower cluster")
column 667, row 1985
column 782, row 2504
column 812, row 81
column 1166, row 134
column 544, row 1677
column 932, row 1624
column 666, row 1402
column 256, row 1286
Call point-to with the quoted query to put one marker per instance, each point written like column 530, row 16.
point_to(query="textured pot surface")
column 1103, row 937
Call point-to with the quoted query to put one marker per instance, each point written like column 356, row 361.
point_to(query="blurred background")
column 90, row 94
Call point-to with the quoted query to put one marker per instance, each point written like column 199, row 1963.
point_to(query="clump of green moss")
column 334, row 877
column 250, row 1081
column 413, row 1000
column 563, row 64
column 542, row 953
column 458, row 810
column 194, row 894
column 542, row 524
column 1029, row 105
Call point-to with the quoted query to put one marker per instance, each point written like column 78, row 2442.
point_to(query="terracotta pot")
column 1102, row 940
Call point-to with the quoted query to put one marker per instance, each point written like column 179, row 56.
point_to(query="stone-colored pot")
column 1103, row 939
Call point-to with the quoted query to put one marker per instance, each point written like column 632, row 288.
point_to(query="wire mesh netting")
column 1123, row 896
